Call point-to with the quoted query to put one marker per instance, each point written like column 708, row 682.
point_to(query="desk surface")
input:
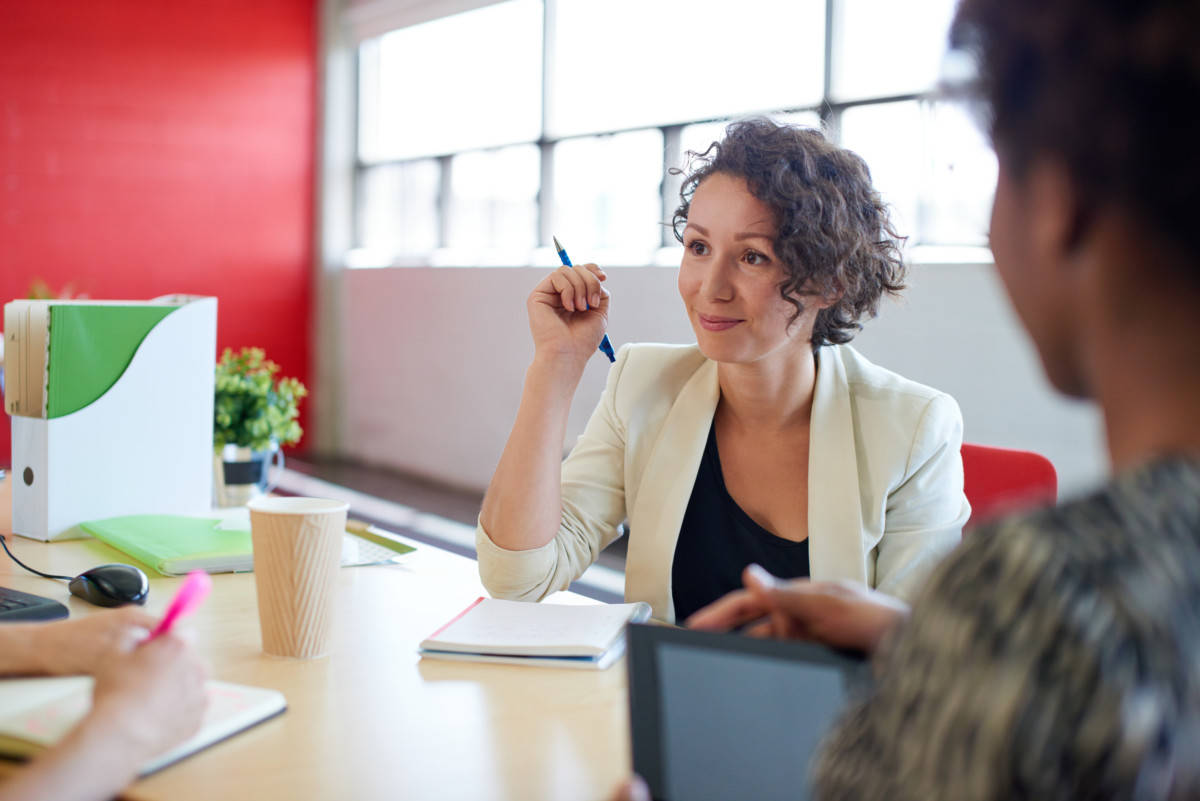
column 373, row 720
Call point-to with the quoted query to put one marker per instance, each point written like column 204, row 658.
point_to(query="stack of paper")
column 63, row 355
column 520, row 633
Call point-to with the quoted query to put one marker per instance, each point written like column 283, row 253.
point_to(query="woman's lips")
column 717, row 323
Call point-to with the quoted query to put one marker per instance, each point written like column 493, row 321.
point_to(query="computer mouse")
column 111, row 585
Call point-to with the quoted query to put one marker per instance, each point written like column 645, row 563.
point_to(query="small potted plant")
column 254, row 415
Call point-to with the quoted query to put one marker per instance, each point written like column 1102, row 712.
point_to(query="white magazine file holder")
column 143, row 447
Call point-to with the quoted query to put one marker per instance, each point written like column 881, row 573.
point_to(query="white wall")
column 954, row 329
column 432, row 362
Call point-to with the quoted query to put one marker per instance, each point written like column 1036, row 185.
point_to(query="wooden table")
column 373, row 720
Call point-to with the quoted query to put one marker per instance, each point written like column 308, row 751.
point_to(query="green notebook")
column 174, row 545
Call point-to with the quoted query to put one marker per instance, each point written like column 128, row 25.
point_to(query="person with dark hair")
column 770, row 440
column 1056, row 655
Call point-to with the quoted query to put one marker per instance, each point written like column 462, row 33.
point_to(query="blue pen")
column 605, row 346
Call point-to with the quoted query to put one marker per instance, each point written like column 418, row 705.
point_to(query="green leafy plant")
column 254, row 408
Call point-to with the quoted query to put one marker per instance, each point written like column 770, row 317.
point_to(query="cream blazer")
column 885, row 480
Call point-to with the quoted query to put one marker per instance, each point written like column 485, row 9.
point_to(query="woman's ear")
column 1060, row 221
column 832, row 297
column 815, row 300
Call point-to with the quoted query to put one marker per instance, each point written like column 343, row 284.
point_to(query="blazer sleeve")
column 593, row 509
column 927, row 510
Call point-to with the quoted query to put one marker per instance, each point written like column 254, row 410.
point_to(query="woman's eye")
column 697, row 247
column 756, row 258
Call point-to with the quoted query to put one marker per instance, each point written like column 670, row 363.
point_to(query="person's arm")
column 568, row 314
column 72, row 646
column 591, row 503
column 926, row 513
column 840, row 614
column 143, row 703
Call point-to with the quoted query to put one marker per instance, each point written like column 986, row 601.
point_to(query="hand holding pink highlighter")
column 195, row 589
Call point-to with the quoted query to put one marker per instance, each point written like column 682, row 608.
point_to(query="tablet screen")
column 724, row 717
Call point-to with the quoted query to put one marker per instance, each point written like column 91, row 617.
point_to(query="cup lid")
column 296, row 505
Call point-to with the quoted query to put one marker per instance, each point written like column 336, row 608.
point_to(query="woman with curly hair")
column 770, row 440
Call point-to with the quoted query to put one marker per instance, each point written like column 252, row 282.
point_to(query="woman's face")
column 1028, row 257
column 729, row 278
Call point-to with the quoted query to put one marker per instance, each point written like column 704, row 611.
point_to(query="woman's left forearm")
column 87, row 765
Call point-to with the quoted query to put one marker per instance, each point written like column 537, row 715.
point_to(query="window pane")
column 886, row 47
column 807, row 119
column 961, row 180
column 397, row 210
column 493, row 206
column 931, row 163
column 888, row 137
column 467, row 81
column 629, row 63
column 606, row 196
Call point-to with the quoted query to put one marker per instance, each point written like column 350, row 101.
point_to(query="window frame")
column 828, row 109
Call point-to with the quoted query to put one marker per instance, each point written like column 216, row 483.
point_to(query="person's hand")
column 151, row 698
column 80, row 644
column 632, row 789
column 839, row 614
column 568, row 312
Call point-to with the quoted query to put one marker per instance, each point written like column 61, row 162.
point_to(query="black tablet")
column 722, row 716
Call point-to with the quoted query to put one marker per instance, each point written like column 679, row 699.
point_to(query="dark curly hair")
column 834, row 236
column 1110, row 87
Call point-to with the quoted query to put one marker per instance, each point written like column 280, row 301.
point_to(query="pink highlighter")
column 193, row 592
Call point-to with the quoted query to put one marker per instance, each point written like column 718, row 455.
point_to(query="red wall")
column 157, row 147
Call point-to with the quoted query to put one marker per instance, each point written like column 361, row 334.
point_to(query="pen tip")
column 556, row 245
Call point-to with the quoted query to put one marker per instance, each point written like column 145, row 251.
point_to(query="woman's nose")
column 717, row 285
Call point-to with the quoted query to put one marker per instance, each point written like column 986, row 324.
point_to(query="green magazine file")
column 90, row 347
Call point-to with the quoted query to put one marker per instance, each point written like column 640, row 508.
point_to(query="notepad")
column 37, row 713
column 521, row 633
column 174, row 544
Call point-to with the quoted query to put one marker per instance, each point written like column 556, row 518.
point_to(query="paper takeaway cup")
column 297, row 552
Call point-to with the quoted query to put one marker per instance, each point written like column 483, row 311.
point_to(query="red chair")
column 998, row 481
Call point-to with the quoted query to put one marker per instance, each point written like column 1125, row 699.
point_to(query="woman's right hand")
column 80, row 645
column 151, row 698
column 568, row 313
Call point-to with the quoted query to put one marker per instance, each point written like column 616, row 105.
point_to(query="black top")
column 718, row 539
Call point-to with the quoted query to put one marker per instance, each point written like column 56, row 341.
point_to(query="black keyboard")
column 16, row 605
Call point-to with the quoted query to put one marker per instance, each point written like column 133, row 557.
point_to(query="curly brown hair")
column 835, row 237
column 1110, row 87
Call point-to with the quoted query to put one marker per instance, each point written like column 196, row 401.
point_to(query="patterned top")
column 1052, row 656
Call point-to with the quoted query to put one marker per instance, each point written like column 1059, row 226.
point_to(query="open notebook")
column 37, row 713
